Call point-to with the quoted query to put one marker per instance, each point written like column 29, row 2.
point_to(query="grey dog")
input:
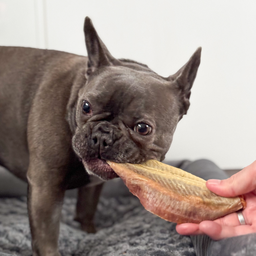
column 63, row 115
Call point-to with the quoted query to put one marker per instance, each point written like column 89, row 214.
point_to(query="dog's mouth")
column 100, row 168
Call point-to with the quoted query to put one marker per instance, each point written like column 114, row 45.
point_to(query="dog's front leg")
column 87, row 200
column 45, row 197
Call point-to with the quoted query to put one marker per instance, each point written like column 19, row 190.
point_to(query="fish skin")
column 173, row 194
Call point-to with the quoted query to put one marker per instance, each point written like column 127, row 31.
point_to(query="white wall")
column 221, row 123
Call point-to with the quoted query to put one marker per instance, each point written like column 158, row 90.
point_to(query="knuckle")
column 231, row 185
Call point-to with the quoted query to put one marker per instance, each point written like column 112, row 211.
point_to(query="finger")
column 238, row 184
column 188, row 229
column 229, row 220
column 210, row 228
column 217, row 232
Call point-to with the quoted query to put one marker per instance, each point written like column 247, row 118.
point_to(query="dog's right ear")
column 185, row 77
column 98, row 54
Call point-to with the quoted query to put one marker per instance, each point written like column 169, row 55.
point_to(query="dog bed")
column 124, row 228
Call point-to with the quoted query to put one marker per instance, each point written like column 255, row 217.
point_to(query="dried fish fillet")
column 173, row 194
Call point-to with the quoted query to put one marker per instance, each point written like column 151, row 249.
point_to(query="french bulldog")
column 62, row 116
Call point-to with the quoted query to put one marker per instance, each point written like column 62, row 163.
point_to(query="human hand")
column 242, row 183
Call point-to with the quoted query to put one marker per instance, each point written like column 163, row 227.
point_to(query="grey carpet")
column 124, row 228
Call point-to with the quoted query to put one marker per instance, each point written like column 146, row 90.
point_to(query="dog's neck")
column 79, row 82
column 71, row 118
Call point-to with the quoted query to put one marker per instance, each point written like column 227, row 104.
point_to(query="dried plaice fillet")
column 173, row 194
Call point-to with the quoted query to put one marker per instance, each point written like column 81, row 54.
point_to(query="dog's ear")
column 185, row 77
column 98, row 54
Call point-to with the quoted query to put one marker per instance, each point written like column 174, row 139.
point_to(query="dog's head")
column 125, row 111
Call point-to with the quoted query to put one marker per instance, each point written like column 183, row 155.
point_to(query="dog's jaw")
column 99, row 168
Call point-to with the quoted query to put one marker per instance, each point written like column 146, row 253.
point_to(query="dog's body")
column 57, row 109
column 34, row 87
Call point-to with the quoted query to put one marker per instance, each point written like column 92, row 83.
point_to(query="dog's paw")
column 87, row 226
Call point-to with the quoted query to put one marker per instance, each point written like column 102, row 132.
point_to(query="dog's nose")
column 102, row 137
column 101, row 141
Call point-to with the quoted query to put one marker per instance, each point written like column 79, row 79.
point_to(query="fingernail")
column 213, row 182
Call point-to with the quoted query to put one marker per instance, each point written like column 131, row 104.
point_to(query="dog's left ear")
column 98, row 54
column 185, row 77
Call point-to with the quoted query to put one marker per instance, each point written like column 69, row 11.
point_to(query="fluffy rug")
column 124, row 228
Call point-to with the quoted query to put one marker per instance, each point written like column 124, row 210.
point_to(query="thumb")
column 238, row 184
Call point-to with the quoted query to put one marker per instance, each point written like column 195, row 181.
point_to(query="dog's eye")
column 143, row 129
column 86, row 107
